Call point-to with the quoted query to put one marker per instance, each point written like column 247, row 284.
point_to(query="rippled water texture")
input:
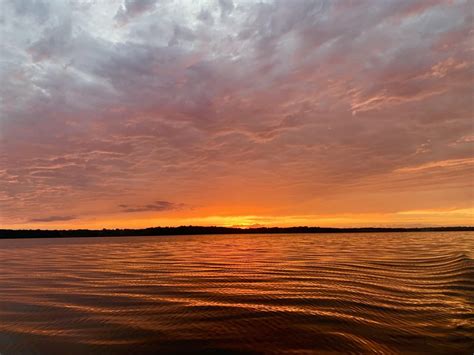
column 246, row 293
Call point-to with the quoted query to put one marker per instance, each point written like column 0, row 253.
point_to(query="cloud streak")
column 157, row 206
column 53, row 219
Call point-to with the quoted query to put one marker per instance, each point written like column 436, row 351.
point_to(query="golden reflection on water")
column 267, row 293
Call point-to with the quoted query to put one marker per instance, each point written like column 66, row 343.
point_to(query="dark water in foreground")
column 388, row 293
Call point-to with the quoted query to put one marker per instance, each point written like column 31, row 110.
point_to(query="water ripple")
column 359, row 293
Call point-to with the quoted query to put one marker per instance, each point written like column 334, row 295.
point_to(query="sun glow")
column 435, row 217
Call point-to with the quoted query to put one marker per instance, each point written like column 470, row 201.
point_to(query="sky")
column 236, row 113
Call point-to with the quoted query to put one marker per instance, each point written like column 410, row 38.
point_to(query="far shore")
column 202, row 230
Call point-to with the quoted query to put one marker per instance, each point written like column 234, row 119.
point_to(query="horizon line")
column 243, row 227
column 212, row 230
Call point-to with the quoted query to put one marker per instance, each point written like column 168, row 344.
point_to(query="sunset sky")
column 220, row 112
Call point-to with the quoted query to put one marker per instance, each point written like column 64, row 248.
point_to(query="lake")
column 386, row 292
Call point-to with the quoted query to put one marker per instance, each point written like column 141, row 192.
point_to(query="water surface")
column 390, row 293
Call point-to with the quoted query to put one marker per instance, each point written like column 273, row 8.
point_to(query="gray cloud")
column 226, row 7
column 53, row 219
column 38, row 9
column 157, row 206
column 133, row 8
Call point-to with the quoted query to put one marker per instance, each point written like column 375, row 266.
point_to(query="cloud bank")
column 269, row 108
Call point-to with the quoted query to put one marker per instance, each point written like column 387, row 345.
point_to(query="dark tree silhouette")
column 193, row 230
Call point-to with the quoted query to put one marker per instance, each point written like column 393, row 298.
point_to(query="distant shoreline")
column 199, row 230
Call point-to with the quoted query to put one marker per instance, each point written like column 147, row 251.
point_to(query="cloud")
column 261, row 105
column 438, row 164
column 53, row 219
column 133, row 8
column 157, row 206
column 39, row 10
column 226, row 7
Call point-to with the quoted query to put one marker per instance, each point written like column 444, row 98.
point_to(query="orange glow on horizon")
column 415, row 218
